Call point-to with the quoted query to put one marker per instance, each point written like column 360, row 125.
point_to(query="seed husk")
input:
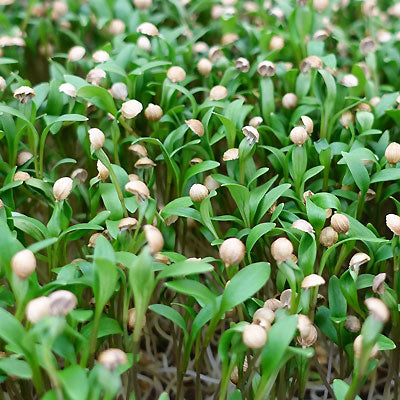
column 340, row 223
column 378, row 309
column 254, row 336
column 146, row 28
column 154, row 238
column 352, row 324
column 281, row 249
column 37, row 309
column 23, row 263
column 328, row 237
column 218, row 92
column 195, row 126
column 112, row 358
column 378, row 284
column 232, row 251
column 311, row 281
column 62, row 188
column 138, row 188
column 198, row 192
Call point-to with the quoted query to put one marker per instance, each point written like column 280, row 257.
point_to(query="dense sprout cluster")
column 199, row 199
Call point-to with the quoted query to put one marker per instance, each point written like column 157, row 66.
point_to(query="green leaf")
column 365, row 119
column 184, row 268
column 337, row 302
column 11, row 330
column 111, row 200
column 244, row 284
column 106, row 274
column 257, row 194
column 326, row 200
column 267, row 98
column 169, row 313
column 74, row 382
column 340, row 388
column 384, row 343
column 307, row 253
column 99, row 97
column 197, row 169
column 331, row 90
column 241, row 196
column 15, row 367
column 349, row 290
column 107, row 327
column 279, row 337
column 85, row 227
column 357, row 170
column 112, row 67
column 324, row 322
column 36, row 247
column 6, row 60
column 230, row 130
column 384, row 175
column 299, row 164
column 190, row 287
column 316, row 215
column 257, row 232
column 385, row 104
column 174, row 206
column 148, row 66
column 270, row 198
column 206, row 213
column 30, row 226
column 394, row 114
column 141, row 278
column 312, row 172
column 235, row 395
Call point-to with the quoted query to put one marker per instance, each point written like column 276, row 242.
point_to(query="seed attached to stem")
column 198, row 193
column 392, row 153
column 204, row 66
column 352, row 324
column 112, row 358
column 298, row 135
column 131, row 108
column 195, row 126
column 328, row 237
column 378, row 309
column 378, row 284
column 311, row 281
column 176, row 74
column 138, row 188
column 303, row 225
column 254, row 336
column 340, row 223
column 393, row 223
column 23, row 263
column 357, row 260
column 232, row 251
column 281, row 249
column 153, row 112
column 358, row 348
column 24, row 94
column 62, row 302
column 154, row 238
column 37, row 308
column 62, row 188
column 97, row 138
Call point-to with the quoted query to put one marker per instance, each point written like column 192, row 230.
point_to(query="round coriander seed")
column 232, row 251
column 23, row 263
column 254, row 336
